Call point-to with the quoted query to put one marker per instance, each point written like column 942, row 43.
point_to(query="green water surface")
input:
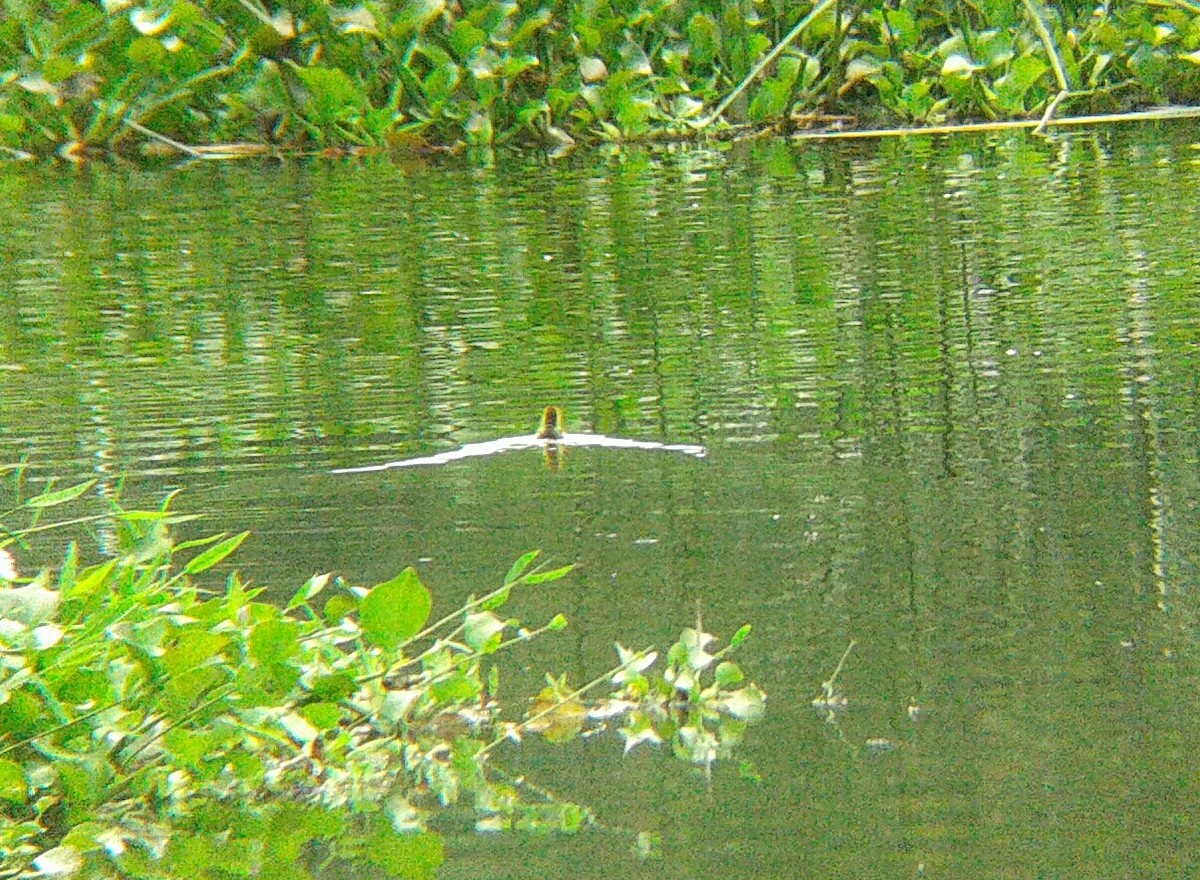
column 950, row 392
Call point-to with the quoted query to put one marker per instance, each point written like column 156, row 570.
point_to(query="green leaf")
column 771, row 100
column 727, row 674
column 84, row 686
column 416, row 15
column 704, row 35
column 332, row 94
column 61, row 496
column 483, row 631
column 456, row 688
column 184, row 690
column 495, row 601
column 337, row 607
column 441, row 82
column 195, row 542
column 213, row 555
column 186, row 746
column 739, row 636
column 315, row 585
column 322, row 716
column 394, row 610
column 146, row 51
column 333, row 687
column 275, row 641
column 541, row 577
column 1012, row 88
column 194, row 648
column 70, row 566
column 518, row 567
column 13, row 787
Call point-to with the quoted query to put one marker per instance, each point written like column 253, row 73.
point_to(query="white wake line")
column 504, row 444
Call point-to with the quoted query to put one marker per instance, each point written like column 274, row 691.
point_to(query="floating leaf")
column 394, row 610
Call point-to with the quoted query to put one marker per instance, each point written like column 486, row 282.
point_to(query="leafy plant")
column 150, row 727
column 79, row 79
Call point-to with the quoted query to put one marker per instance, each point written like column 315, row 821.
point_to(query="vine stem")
column 762, row 65
column 1064, row 86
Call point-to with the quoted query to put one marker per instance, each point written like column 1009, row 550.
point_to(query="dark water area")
column 950, row 392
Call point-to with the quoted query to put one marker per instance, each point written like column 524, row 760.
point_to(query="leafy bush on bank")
column 150, row 728
column 78, row 76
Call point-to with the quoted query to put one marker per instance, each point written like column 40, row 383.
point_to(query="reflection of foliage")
column 387, row 72
column 150, row 728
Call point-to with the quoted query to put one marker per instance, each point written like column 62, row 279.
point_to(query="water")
column 950, row 396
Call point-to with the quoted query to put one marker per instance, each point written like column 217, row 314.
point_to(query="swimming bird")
column 552, row 422
column 550, row 436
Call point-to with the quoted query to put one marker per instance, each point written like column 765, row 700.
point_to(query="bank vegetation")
column 216, row 78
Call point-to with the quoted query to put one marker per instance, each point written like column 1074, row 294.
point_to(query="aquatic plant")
column 152, row 727
column 216, row 79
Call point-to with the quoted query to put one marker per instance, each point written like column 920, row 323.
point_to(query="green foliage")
column 78, row 77
column 153, row 728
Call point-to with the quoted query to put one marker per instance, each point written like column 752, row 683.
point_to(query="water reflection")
column 949, row 396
